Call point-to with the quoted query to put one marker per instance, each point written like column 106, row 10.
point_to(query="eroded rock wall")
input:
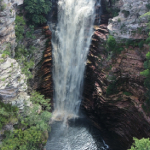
column 129, row 24
column 120, row 115
column 7, row 23
column 43, row 71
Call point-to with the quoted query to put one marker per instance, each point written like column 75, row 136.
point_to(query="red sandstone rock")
column 119, row 117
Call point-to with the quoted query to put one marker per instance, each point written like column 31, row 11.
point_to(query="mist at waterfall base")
column 71, row 38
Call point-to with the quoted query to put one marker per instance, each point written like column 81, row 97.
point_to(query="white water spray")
column 71, row 42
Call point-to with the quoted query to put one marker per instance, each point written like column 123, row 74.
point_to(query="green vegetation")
column 26, row 66
column 112, row 88
column 23, row 57
column 112, row 45
column 22, row 54
column 37, row 10
column 146, row 73
column 29, row 33
column 31, row 131
column 127, row 93
column 2, row 7
column 142, row 144
column 39, row 99
column 8, row 114
column 19, row 27
column 7, row 51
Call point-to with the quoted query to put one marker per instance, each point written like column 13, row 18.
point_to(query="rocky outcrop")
column 7, row 23
column 129, row 24
column 43, row 70
column 118, row 114
column 13, row 84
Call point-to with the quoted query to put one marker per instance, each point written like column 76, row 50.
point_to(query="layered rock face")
column 128, row 24
column 7, row 23
column 119, row 115
column 43, row 64
column 13, row 85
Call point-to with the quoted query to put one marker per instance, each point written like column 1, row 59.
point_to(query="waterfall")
column 71, row 40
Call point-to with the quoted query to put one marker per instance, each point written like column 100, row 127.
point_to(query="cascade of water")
column 71, row 41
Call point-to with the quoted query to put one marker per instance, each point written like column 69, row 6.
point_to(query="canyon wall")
column 8, row 11
column 15, row 87
column 120, row 115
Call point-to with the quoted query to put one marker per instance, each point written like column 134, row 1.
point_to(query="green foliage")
column 7, row 113
column 7, row 51
column 148, row 56
column 112, row 88
column 112, row 45
column 27, row 65
column 111, row 42
column 127, row 93
column 22, row 140
column 31, row 131
column 19, row 27
column 141, row 44
column 146, row 73
column 39, row 99
column 135, row 43
column 22, row 55
column 29, row 34
column 2, row 7
column 37, row 10
column 112, row 11
column 142, row 144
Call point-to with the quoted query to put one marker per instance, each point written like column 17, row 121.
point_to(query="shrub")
column 37, row 98
column 6, row 52
column 19, row 27
column 112, row 45
column 31, row 131
column 37, row 10
column 7, row 113
column 127, row 93
column 142, row 144
column 146, row 73
column 112, row 88
column 29, row 34
column 22, row 56
column 3, row 7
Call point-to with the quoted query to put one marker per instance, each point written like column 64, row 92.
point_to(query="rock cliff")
column 43, row 69
column 120, row 115
column 7, row 23
column 129, row 24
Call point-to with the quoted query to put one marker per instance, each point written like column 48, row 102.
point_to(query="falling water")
column 71, row 41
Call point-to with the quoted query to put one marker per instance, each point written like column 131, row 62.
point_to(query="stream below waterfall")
column 79, row 134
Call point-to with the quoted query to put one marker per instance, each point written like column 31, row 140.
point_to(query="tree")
column 37, row 10
column 146, row 73
column 142, row 144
